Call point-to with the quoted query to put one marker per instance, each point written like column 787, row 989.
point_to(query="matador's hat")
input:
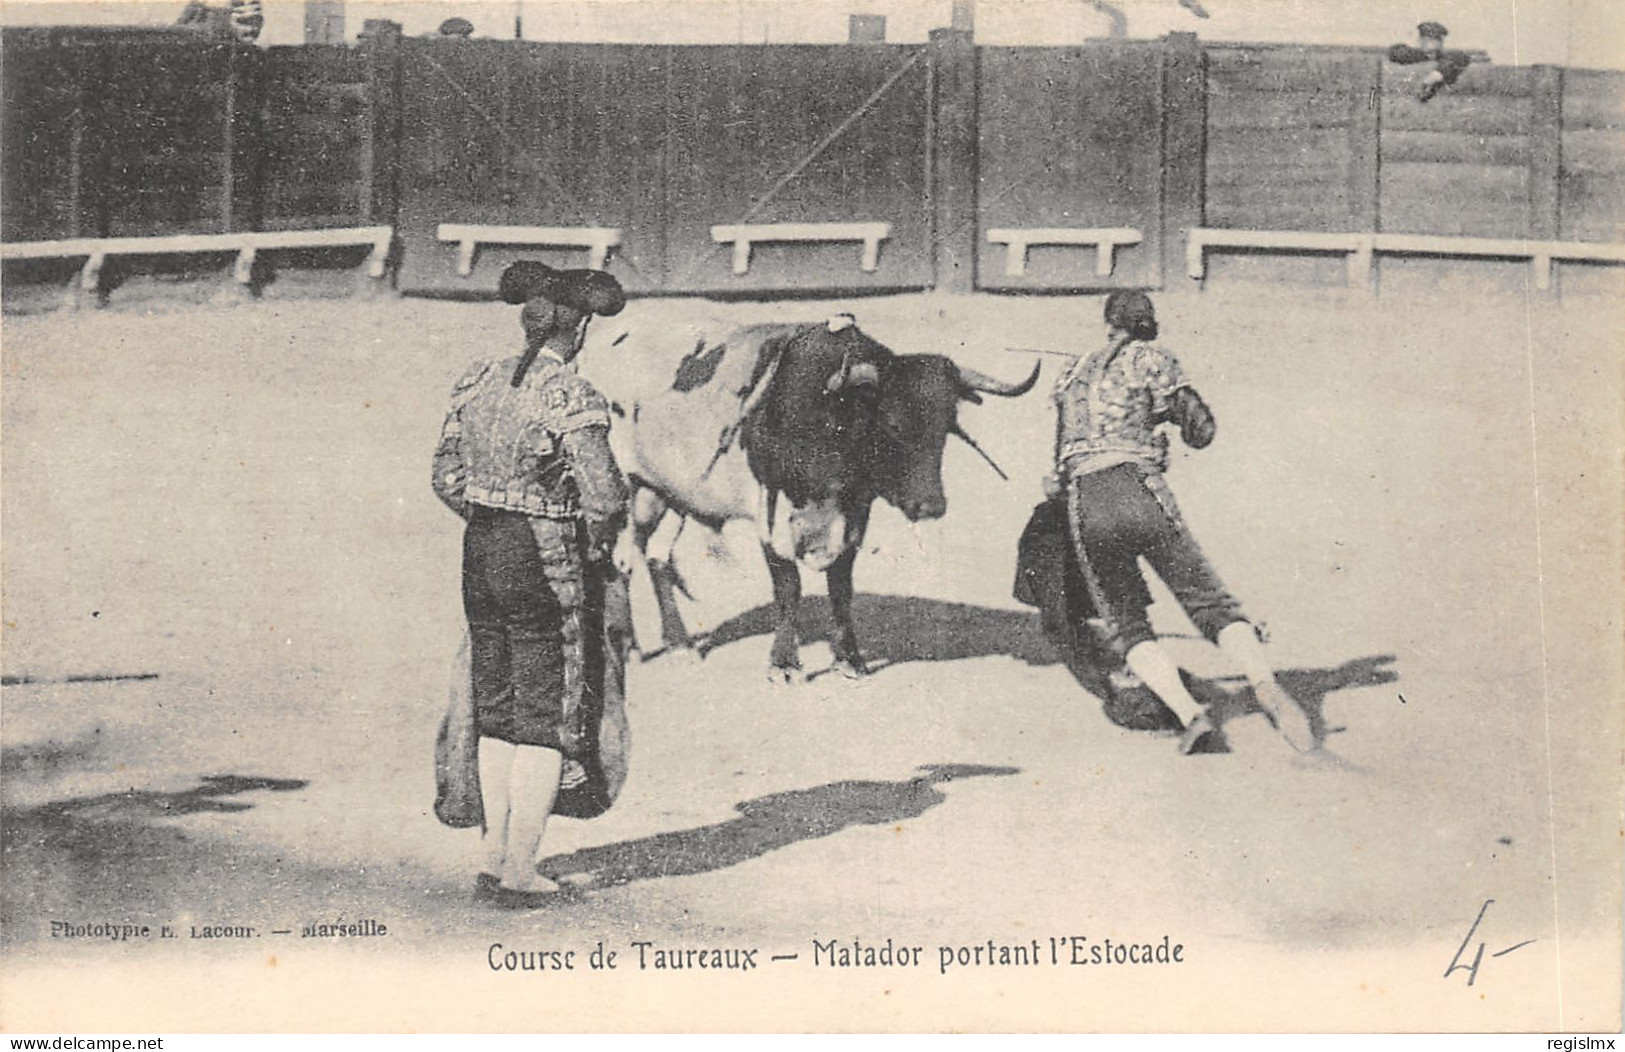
column 1432, row 31
column 588, row 291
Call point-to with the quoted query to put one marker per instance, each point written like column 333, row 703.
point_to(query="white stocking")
column 496, row 766
column 1153, row 665
column 534, row 786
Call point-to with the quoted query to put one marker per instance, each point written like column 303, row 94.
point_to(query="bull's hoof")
column 785, row 675
column 853, row 668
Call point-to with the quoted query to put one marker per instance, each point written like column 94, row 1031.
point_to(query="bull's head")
column 917, row 410
column 846, row 421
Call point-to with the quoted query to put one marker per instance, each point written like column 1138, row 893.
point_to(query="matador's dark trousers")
column 524, row 596
column 1125, row 513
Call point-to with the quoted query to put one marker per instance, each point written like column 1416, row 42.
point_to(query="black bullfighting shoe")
column 1134, row 706
column 508, row 898
column 486, row 886
column 1201, row 735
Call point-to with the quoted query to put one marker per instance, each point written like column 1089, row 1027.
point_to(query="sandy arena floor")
column 230, row 602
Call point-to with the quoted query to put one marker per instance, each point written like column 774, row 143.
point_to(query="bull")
column 799, row 428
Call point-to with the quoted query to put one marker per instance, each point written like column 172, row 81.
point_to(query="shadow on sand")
column 765, row 824
column 137, row 804
column 1309, row 685
column 896, row 629
column 86, row 855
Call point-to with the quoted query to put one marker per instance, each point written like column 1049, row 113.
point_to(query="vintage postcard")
column 864, row 515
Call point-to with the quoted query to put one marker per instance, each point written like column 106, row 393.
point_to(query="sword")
column 1039, row 350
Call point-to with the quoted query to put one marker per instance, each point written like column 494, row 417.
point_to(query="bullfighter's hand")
column 1053, row 487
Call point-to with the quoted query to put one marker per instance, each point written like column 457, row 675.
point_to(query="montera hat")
column 1432, row 31
column 588, row 291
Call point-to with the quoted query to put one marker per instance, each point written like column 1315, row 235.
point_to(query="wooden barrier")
column 744, row 235
column 1104, row 239
column 1361, row 248
column 974, row 154
column 246, row 244
column 597, row 240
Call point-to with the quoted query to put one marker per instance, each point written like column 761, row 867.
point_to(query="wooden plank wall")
column 1461, row 163
column 664, row 143
column 1290, row 139
column 122, row 132
column 1592, row 200
column 749, row 143
column 1070, row 137
column 161, row 156
column 500, row 132
column 41, row 154
column 315, row 110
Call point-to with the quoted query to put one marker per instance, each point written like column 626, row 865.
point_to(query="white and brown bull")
column 799, row 428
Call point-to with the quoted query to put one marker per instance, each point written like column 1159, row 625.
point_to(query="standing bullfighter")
column 1109, row 460
column 524, row 458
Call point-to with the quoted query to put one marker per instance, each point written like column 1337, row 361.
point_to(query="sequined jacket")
column 541, row 448
column 1109, row 405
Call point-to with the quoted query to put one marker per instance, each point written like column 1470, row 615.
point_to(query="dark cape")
column 607, row 749
column 1048, row 577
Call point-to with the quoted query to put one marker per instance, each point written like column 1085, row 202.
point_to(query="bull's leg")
column 784, row 663
column 844, row 639
column 648, row 509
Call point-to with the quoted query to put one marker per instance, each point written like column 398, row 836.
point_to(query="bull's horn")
column 971, row 380
column 971, row 442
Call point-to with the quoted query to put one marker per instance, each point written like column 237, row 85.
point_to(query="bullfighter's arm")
column 1173, row 399
column 450, row 470
column 1196, row 424
column 602, row 489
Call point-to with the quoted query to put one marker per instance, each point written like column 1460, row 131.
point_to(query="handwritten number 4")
column 1478, row 958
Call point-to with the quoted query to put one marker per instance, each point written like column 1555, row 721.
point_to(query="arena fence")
column 761, row 170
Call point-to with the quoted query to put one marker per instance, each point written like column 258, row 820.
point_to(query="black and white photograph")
column 844, row 516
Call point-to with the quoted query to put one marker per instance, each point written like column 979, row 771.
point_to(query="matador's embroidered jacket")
column 541, row 448
column 1110, row 404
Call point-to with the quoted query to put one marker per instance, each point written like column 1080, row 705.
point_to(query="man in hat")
column 524, row 459
column 1448, row 66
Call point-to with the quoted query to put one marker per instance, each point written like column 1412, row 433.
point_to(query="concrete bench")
column 1362, row 247
column 743, row 236
column 597, row 240
column 246, row 243
column 1104, row 239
